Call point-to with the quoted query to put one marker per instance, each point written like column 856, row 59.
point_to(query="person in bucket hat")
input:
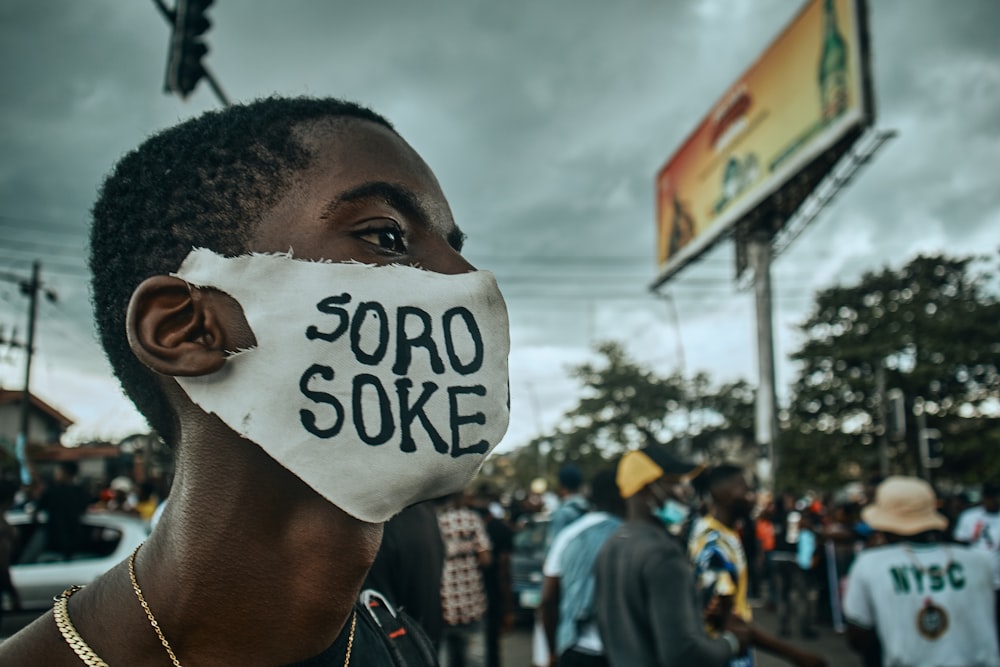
column 918, row 600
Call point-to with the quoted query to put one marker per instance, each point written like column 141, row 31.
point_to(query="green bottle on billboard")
column 832, row 66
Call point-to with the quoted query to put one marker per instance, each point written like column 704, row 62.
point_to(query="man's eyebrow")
column 397, row 196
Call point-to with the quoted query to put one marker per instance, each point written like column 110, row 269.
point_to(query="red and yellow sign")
column 803, row 94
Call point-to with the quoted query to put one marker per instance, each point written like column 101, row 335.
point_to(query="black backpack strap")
column 406, row 640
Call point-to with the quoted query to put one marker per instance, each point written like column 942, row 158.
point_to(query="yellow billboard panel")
column 807, row 91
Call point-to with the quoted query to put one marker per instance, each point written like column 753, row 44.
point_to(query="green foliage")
column 930, row 328
column 624, row 406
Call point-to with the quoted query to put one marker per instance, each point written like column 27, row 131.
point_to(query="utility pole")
column 766, row 422
column 30, row 288
column 920, row 414
column 882, row 431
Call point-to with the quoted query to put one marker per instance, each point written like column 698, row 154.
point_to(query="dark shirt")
column 502, row 539
column 367, row 649
column 646, row 604
column 407, row 569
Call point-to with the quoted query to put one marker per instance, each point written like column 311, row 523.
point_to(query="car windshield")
column 93, row 541
column 532, row 540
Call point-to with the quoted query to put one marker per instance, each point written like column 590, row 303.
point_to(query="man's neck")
column 244, row 547
column 725, row 516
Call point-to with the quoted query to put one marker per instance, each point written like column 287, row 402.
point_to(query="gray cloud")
column 545, row 123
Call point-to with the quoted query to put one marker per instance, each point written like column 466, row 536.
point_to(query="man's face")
column 665, row 489
column 991, row 504
column 735, row 493
column 367, row 197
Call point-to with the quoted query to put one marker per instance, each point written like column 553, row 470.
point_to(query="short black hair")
column 570, row 477
column 715, row 476
column 604, row 492
column 203, row 183
column 70, row 468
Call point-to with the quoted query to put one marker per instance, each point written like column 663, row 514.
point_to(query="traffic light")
column 184, row 68
column 931, row 448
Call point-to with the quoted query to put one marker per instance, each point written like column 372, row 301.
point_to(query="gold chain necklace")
column 166, row 644
column 60, row 610
column 145, row 607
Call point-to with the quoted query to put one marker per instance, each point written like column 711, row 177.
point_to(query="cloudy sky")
column 545, row 121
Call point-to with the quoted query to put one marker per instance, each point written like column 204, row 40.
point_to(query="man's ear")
column 175, row 329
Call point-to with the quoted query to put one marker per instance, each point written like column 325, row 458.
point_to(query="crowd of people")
column 668, row 570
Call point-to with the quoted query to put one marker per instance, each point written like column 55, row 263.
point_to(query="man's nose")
column 442, row 258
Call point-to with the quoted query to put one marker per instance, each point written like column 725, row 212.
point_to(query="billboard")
column 771, row 137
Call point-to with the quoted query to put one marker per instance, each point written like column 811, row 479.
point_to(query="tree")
column 930, row 329
column 626, row 406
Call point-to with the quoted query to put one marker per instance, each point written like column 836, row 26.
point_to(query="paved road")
column 516, row 648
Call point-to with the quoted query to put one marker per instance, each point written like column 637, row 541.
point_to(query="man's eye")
column 387, row 238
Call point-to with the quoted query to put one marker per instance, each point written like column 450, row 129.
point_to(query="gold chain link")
column 145, row 607
column 60, row 610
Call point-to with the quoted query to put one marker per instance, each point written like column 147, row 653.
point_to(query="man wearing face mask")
column 720, row 564
column 279, row 287
column 644, row 597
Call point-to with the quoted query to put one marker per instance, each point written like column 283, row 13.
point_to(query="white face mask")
column 379, row 387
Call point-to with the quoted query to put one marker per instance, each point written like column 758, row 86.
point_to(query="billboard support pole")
column 766, row 422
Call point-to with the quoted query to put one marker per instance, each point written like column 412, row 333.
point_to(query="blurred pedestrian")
column 808, row 557
column 146, row 501
column 568, row 590
column 764, row 532
column 644, row 595
column 720, row 565
column 497, row 575
column 918, row 600
column 467, row 551
column 123, row 498
column 64, row 503
column 8, row 542
column 572, row 506
column 979, row 527
column 792, row 590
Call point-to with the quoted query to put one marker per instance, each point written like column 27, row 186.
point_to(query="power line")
column 7, row 243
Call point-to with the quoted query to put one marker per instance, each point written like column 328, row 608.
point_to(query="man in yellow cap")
column 644, row 588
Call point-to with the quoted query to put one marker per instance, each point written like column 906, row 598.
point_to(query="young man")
column 497, row 576
column 572, row 504
column 468, row 552
column 720, row 564
column 917, row 600
column 979, row 527
column 644, row 594
column 311, row 391
column 64, row 502
column 568, row 591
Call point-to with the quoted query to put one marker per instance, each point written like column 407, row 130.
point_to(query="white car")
column 39, row 575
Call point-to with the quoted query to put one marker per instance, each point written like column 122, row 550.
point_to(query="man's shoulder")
column 571, row 507
column 643, row 538
column 971, row 513
column 390, row 639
